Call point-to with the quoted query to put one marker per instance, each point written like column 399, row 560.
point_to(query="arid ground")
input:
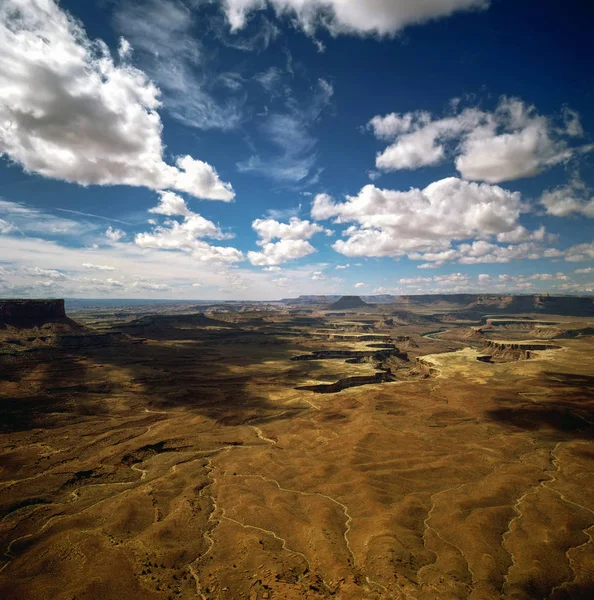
column 282, row 452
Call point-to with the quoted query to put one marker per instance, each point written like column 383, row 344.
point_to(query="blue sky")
column 251, row 149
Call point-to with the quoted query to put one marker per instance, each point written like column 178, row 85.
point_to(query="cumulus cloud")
column 171, row 205
column 114, row 235
column 579, row 252
column 280, row 252
column 295, row 229
column 394, row 223
column 360, row 285
column 69, row 112
column 360, row 17
column 292, row 240
column 568, row 200
column 512, row 142
column 186, row 236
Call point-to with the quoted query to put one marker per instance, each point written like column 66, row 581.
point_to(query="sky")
column 265, row 149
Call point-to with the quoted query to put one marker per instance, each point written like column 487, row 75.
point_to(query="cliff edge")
column 25, row 314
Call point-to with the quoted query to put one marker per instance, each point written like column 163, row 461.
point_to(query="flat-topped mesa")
column 348, row 302
column 31, row 313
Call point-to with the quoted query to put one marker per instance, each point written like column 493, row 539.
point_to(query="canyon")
column 397, row 449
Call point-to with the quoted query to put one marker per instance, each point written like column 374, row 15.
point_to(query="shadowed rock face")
column 44, row 323
column 348, row 302
column 30, row 313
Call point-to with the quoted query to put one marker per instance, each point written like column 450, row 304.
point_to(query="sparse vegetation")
column 197, row 456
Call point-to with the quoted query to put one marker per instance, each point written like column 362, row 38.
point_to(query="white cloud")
column 318, row 276
column 25, row 219
column 6, row 227
column 425, row 222
column 414, row 280
column 360, row 285
column 38, row 272
column 360, row 17
column 438, row 282
column 114, row 235
column 282, row 281
column 462, row 282
column 93, row 267
column 526, row 146
column 162, row 33
column 292, row 242
column 567, row 200
column 580, row 252
column 68, row 111
column 276, row 253
column 573, row 125
column 481, row 252
column 151, row 285
column 295, row 229
column 290, row 132
column 171, row 205
column 586, row 271
column 342, row 266
column 512, row 142
column 521, row 234
column 186, row 236
column 21, row 256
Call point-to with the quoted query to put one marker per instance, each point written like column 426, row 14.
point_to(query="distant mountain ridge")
column 508, row 303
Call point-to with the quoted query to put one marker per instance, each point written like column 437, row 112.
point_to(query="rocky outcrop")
column 348, row 302
column 24, row 314
column 494, row 345
column 511, row 351
column 33, row 325
column 558, row 333
column 354, row 356
column 349, row 382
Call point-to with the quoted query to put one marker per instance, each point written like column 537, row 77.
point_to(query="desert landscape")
column 413, row 447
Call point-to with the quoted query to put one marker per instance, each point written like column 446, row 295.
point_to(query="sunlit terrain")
column 297, row 451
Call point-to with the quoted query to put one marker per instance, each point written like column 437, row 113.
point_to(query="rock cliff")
column 31, row 313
